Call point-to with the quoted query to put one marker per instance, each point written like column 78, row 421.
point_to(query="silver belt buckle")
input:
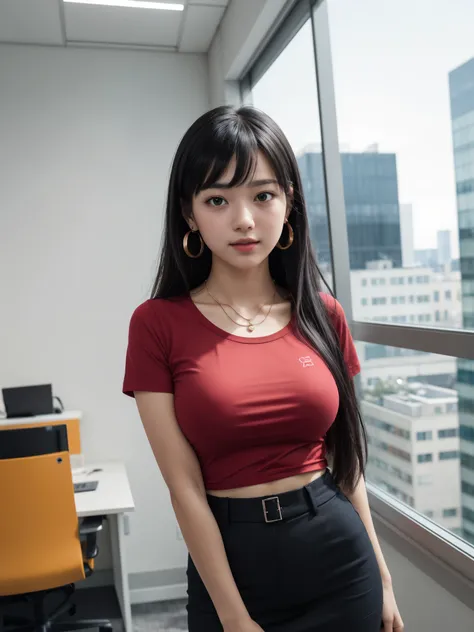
column 265, row 511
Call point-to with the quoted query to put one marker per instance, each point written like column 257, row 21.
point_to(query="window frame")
column 458, row 343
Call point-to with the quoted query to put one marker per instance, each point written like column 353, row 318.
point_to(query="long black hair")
column 201, row 158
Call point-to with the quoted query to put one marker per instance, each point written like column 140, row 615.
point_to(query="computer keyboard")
column 86, row 486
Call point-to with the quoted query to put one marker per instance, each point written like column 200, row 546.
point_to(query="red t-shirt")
column 254, row 409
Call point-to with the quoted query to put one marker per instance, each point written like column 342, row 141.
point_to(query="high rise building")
column 372, row 207
column 408, row 296
column 414, row 449
column 461, row 87
column 406, row 230
column 444, row 247
column 427, row 257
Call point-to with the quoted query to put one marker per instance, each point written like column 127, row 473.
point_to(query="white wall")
column 87, row 137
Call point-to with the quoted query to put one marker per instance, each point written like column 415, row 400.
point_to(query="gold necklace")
column 249, row 320
column 250, row 325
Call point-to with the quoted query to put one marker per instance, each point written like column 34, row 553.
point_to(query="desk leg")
column 117, row 537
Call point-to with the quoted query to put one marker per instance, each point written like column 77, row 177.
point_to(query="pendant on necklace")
column 250, row 328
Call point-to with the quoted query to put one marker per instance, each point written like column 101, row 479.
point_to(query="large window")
column 405, row 119
column 405, row 115
column 386, row 151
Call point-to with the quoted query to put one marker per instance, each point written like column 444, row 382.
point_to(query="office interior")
column 93, row 102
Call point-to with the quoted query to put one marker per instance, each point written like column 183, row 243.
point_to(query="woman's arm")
column 392, row 621
column 180, row 469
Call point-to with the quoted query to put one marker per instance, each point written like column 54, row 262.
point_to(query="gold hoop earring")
column 291, row 237
column 186, row 247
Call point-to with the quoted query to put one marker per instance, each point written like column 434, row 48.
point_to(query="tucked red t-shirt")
column 254, row 409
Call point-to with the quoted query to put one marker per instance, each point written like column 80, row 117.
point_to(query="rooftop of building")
column 422, row 400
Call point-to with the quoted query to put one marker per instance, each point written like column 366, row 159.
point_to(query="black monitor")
column 28, row 401
column 17, row 443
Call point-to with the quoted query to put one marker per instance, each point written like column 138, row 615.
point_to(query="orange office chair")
column 44, row 548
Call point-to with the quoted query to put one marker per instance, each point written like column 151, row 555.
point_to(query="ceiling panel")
column 30, row 22
column 52, row 22
column 118, row 25
column 200, row 24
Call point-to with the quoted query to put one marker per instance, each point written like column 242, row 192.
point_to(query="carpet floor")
column 162, row 616
column 101, row 603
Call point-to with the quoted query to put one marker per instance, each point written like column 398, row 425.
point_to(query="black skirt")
column 302, row 561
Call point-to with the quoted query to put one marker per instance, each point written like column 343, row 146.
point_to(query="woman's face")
column 242, row 225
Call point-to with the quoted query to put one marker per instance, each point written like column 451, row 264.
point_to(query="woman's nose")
column 243, row 219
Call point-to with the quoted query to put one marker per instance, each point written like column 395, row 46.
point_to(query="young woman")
column 242, row 373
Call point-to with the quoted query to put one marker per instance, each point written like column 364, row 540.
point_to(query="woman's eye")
column 264, row 197
column 216, row 201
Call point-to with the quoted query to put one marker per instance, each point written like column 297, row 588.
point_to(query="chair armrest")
column 88, row 530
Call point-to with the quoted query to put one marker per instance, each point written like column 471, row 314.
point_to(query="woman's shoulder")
column 341, row 326
column 332, row 305
column 336, row 313
column 158, row 312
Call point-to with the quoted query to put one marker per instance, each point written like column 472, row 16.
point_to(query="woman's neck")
column 245, row 288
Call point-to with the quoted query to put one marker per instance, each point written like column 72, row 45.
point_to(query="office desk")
column 112, row 499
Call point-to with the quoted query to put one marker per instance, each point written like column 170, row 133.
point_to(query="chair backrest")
column 70, row 420
column 39, row 531
column 33, row 441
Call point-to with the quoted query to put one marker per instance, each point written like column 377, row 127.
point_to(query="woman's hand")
column 392, row 621
column 243, row 625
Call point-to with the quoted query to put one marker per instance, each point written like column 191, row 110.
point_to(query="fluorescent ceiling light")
column 132, row 4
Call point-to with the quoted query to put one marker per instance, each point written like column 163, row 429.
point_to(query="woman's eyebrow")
column 253, row 183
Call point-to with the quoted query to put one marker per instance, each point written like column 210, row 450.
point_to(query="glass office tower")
column 372, row 207
column 461, row 86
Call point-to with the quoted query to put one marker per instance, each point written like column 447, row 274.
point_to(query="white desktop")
column 41, row 419
column 112, row 499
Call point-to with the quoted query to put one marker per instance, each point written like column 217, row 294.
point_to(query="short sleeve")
column 146, row 364
column 342, row 329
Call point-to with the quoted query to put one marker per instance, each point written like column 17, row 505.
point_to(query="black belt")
column 275, row 508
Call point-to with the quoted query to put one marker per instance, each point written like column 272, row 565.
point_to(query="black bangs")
column 229, row 142
column 213, row 147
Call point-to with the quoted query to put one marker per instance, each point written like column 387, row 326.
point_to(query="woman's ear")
column 290, row 198
column 187, row 215
column 189, row 221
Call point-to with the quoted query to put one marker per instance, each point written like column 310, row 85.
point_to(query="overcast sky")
column 391, row 60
